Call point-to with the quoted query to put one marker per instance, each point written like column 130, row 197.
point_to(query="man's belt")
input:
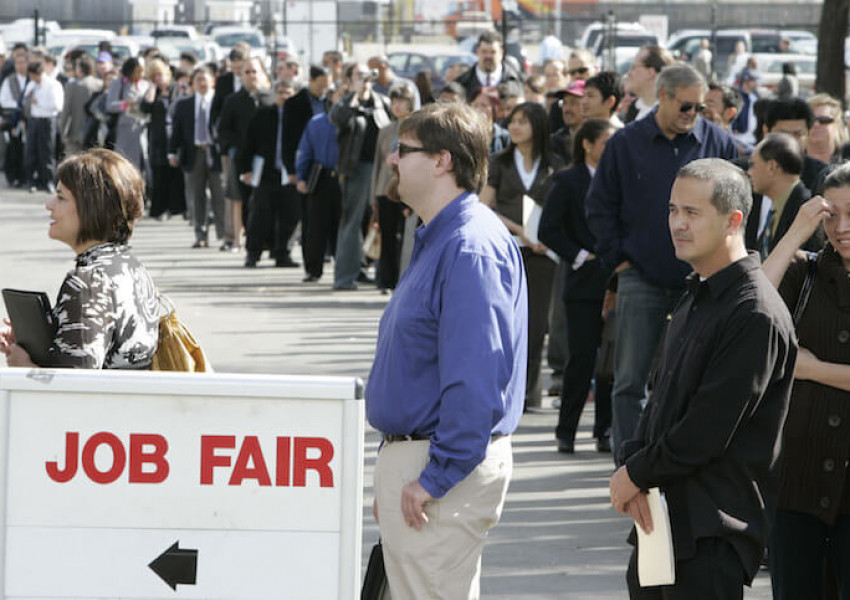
column 413, row 437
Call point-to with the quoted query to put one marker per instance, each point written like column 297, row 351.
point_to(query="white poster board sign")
column 160, row 485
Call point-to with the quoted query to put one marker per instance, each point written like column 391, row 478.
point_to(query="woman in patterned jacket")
column 107, row 310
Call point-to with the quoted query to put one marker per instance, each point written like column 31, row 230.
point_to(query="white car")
column 121, row 50
column 172, row 47
column 228, row 35
column 70, row 36
column 176, row 31
column 595, row 30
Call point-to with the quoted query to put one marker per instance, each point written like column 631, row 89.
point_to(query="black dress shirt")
column 709, row 437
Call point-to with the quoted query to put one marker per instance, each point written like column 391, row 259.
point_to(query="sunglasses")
column 689, row 106
column 403, row 149
column 825, row 120
column 579, row 71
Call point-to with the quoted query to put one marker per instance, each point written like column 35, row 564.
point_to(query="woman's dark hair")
column 590, row 130
column 838, row 177
column 539, row 120
column 109, row 193
column 423, row 83
column 129, row 66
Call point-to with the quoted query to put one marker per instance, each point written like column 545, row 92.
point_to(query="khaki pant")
column 443, row 560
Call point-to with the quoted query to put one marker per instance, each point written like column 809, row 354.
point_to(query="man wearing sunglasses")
column 447, row 386
column 627, row 213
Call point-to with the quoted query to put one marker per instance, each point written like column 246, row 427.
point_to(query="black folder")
column 32, row 322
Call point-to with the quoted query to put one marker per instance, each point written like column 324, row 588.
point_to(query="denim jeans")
column 349, row 243
column 642, row 309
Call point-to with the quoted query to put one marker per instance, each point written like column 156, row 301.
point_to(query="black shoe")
column 311, row 279
column 250, row 262
column 603, row 444
column 200, row 244
column 363, row 278
column 566, row 447
column 286, row 263
column 226, row 247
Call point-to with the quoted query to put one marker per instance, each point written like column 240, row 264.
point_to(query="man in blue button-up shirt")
column 448, row 382
column 627, row 207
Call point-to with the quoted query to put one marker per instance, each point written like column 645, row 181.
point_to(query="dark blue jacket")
column 318, row 143
column 627, row 204
column 563, row 228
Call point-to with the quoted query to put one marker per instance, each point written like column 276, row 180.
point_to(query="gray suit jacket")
column 72, row 121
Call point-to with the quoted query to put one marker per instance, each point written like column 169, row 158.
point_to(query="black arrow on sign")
column 176, row 566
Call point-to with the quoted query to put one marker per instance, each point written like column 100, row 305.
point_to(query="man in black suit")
column 303, row 106
column 775, row 167
column 490, row 70
column 233, row 122
column 191, row 147
column 227, row 83
column 275, row 206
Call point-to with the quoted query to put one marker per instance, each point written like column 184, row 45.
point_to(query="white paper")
column 531, row 213
column 257, row 170
column 656, row 561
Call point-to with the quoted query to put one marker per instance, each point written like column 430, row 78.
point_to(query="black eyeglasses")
column 403, row 149
column 579, row 71
column 825, row 120
column 248, row 72
column 689, row 106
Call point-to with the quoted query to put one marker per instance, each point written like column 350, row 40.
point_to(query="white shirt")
column 643, row 108
column 48, row 98
column 208, row 99
column 7, row 99
column 527, row 177
column 495, row 76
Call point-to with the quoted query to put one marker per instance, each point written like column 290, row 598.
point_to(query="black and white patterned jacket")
column 106, row 313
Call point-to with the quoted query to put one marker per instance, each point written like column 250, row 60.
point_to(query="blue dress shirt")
column 318, row 142
column 628, row 201
column 452, row 345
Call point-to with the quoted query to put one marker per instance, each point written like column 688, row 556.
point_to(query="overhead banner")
column 169, row 485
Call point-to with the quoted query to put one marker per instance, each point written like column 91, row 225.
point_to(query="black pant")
column 14, row 161
column 391, row 222
column 275, row 212
column 583, row 337
column 714, row 573
column 167, row 190
column 798, row 545
column 319, row 228
column 40, row 157
column 540, row 273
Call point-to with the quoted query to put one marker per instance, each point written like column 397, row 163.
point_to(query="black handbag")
column 375, row 582
column 605, row 360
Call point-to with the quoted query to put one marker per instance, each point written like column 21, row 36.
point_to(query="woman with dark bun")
column 107, row 310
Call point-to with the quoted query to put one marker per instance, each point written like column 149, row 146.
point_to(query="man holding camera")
column 358, row 117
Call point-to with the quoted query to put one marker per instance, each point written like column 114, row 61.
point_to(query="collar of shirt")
column 697, row 131
column 717, row 283
column 495, row 76
column 443, row 219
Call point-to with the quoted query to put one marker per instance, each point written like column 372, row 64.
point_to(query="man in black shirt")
column 709, row 437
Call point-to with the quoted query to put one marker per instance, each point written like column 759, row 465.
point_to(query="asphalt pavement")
column 558, row 537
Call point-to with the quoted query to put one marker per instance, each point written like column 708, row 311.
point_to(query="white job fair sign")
column 118, row 484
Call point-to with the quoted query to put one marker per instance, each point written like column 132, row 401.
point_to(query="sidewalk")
column 558, row 537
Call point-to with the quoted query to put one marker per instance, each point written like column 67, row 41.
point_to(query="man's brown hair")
column 109, row 193
column 460, row 131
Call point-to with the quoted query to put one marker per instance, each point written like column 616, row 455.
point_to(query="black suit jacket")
column 799, row 196
column 261, row 139
column 236, row 115
column 224, row 87
column 182, row 142
column 469, row 79
column 157, row 132
column 812, row 168
column 298, row 111
column 563, row 228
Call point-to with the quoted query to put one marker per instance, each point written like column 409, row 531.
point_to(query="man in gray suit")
column 72, row 122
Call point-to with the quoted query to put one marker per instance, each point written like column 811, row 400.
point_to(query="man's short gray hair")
column 678, row 76
column 731, row 185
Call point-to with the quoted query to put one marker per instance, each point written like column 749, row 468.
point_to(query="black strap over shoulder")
column 806, row 290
